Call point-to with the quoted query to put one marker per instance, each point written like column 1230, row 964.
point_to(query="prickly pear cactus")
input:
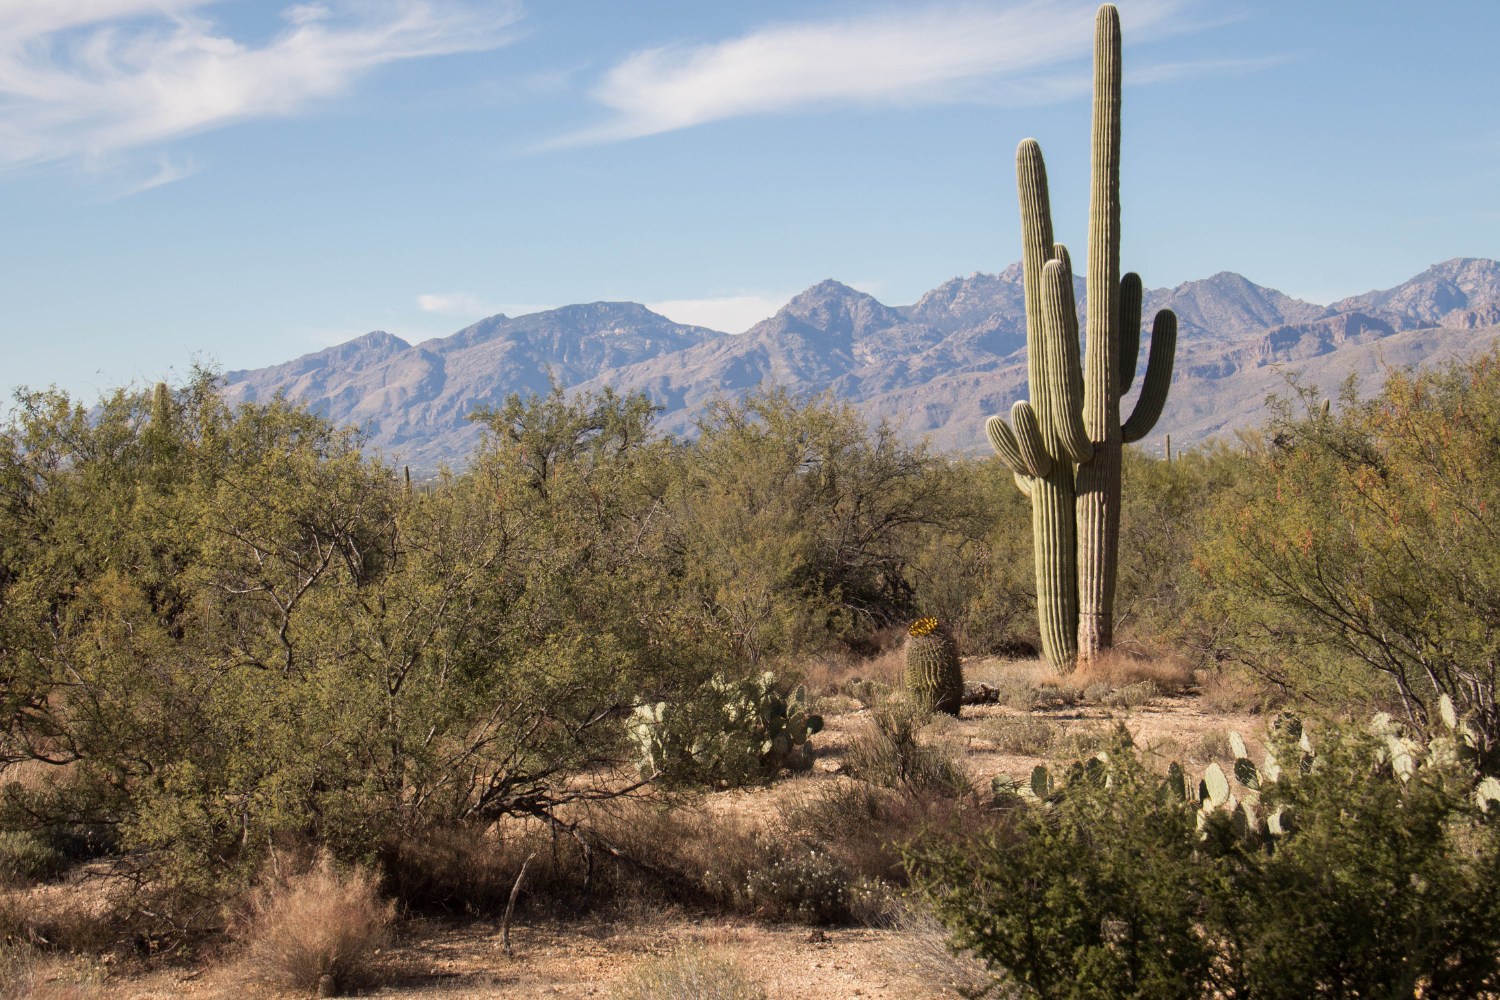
column 727, row 733
column 933, row 674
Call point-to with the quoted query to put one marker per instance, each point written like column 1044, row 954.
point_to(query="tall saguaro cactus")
column 1073, row 417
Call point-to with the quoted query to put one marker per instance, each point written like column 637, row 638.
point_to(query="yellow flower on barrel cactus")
column 933, row 674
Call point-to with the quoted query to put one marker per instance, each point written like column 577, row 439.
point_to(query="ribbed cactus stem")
column 934, row 675
column 1158, row 378
column 1074, row 412
column 1098, row 485
column 1053, row 535
column 1061, row 373
column 1130, row 328
column 1029, row 439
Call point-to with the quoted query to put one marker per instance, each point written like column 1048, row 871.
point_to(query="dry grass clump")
column 864, row 679
column 1170, row 674
column 687, row 975
column 888, row 752
column 1227, row 691
column 1023, row 735
column 28, row 973
column 921, row 947
column 319, row 929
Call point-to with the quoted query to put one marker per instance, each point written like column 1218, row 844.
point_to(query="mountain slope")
column 937, row 367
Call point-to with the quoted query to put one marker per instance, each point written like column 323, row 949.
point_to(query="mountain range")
column 935, row 368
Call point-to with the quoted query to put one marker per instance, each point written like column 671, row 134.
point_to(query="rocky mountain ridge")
column 936, row 367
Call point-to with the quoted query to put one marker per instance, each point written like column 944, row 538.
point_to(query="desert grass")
column 690, row 974
column 318, row 929
column 1169, row 673
column 923, row 948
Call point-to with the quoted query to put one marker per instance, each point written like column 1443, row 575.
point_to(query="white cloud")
column 85, row 79
column 1006, row 52
column 466, row 306
column 730, row 314
column 452, row 304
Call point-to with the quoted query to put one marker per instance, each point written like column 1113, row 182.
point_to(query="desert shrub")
column 887, row 752
column 1212, row 745
column 923, row 947
column 30, row 973
column 232, row 629
column 803, row 884
column 1381, row 877
column 1094, row 895
column 26, row 856
column 1026, row 735
column 1132, row 695
column 798, row 522
column 1233, row 691
column 320, row 922
column 1356, row 558
column 687, row 975
column 1118, row 669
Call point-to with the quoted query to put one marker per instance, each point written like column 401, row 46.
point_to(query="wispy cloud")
column 466, row 306
column 83, row 80
column 1008, row 52
column 451, row 304
column 729, row 314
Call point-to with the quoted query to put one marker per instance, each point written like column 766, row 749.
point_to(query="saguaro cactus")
column 1073, row 417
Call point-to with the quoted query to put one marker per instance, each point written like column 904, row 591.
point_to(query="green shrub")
column 1368, row 868
column 1356, row 556
column 27, row 857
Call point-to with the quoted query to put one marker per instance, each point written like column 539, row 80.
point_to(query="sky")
column 237, row 183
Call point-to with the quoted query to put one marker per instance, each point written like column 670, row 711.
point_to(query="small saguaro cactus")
column 1072, row 422
column 933, row 674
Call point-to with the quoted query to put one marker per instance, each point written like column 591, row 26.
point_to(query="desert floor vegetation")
column 609, row 706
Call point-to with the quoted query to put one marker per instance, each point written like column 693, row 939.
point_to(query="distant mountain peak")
column 938, row 367
column 378, row 339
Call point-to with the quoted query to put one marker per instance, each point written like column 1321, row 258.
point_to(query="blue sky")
column 244, row 182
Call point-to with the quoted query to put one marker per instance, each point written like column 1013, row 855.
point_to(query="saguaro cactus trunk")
column 1073, row 417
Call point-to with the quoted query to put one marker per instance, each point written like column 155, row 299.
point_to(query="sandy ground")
column 584, row 958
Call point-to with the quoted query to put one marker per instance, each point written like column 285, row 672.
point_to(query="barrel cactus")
column 1064, row 444
column 933, row 674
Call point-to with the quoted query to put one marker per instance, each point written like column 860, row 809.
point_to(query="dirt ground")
column 587, row 957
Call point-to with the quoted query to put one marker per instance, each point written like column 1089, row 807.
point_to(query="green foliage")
column 1356, row 558
column 726, row 733
column 267, row 637
column 798, row 524
column 1366, row 868
column 1094, row 895
column 26, row 856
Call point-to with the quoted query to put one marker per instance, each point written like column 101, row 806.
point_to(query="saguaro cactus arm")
column 1029, row 438
column 1003, row 440
column 1158, row 378
column 1062, row 369
column 1130, row 328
